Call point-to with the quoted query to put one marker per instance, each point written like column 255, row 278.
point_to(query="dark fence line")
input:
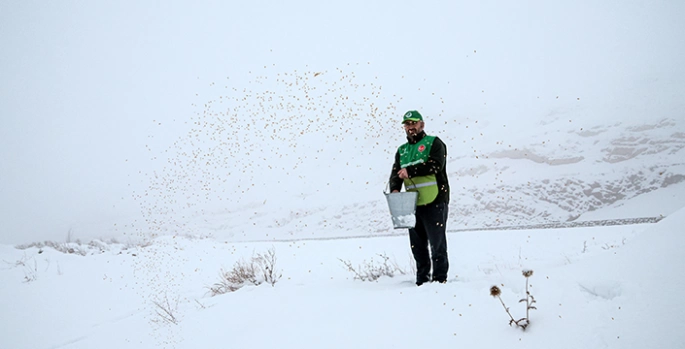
column 558, row 225
column 555, row 225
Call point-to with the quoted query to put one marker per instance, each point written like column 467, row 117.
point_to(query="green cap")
column 412, row 115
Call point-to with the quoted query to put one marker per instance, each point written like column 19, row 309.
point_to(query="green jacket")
column 423, row 171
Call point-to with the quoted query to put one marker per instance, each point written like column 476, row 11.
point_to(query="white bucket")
column 402, row 207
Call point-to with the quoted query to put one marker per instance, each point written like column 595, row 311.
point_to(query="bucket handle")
column 387, row 186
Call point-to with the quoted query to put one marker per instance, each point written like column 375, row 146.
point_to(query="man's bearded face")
column 413, row 128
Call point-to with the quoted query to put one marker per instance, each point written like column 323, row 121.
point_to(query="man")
column 420, row 164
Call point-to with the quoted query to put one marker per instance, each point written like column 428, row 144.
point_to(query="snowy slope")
column 269, row 179
column 594, row 288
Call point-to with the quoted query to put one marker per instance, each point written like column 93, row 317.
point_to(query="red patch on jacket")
column 422, row 148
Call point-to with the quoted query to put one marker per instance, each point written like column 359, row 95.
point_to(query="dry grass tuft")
column 261, row 268
column 371, row 271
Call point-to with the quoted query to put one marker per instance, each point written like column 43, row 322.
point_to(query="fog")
column 92, row 93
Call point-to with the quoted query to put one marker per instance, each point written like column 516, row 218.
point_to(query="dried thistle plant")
column 530, row 300
column 496, row 292
column 524, row 322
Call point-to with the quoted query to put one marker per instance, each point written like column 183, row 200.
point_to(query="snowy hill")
column 549, row 171
column 594, row 288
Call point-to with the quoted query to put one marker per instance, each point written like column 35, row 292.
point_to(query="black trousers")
column 429, row 232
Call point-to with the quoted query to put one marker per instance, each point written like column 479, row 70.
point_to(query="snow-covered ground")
column 614, row 287
column 147, row 151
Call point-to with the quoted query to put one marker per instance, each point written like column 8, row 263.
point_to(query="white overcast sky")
column 82, row 81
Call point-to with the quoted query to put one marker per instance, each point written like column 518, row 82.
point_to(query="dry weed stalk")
column 524, row 322
column 165, row 310
column 267, row 265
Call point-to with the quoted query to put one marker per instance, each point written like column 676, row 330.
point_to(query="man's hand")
column 403, row 173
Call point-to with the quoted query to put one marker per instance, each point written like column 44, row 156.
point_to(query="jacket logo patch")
column 422, row 148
